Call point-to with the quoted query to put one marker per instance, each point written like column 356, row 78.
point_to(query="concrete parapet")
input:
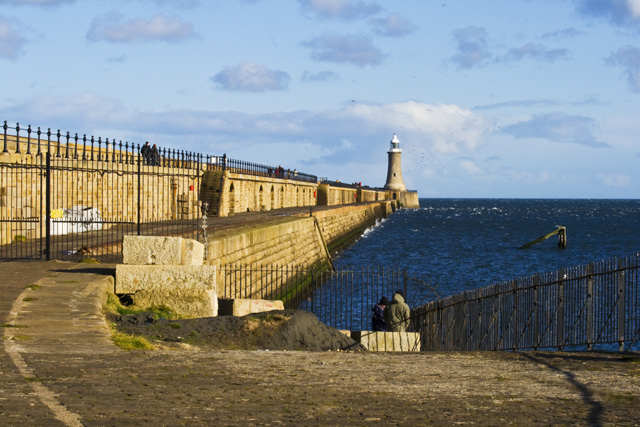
column 242, row 307
column 188, row 290
column 158, row 250
column 388, row 341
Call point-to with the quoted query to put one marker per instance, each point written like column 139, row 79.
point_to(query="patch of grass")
column 69, row 281
column 89, row 260
column 114, row 305
column 6, row 325
column 174, row 326
column 130, row 342
column 20, row 238
column 34, row 287
column 29, row 299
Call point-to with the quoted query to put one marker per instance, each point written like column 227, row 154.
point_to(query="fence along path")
column 576, row 308
column 580, row 307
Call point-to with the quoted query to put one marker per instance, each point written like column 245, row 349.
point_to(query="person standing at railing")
column 377, row 319
column 145, row 152
column 397, row 314
column 154, row 156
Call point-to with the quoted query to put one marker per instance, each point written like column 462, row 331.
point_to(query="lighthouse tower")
column 394, row 171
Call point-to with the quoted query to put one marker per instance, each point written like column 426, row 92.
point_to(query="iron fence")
column 67, row 197
column 341, row 299
column 584, row 307
column 255, row 169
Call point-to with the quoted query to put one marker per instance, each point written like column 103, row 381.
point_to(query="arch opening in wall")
column 260, row 205
column 282, row 197
column 232, row 199
column 273, row 198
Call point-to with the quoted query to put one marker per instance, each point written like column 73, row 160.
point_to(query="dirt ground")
column 292, row 330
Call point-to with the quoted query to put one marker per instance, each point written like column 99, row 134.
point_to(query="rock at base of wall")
column 242, row 307
column 161, row 250
column 388, row 341
column 188, row 290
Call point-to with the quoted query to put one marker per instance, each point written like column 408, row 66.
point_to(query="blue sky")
column 513, row 98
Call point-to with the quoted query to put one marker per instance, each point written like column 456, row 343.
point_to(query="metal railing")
column 341, row 299
column 256, row 169
column 580, row 308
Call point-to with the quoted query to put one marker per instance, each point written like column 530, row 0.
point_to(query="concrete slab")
column 189, row 290
column 388, row 341
column 161, row 250
column 242, row 307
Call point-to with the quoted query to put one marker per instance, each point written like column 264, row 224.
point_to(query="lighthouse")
column 394, row 171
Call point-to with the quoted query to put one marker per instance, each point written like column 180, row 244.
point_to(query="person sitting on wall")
column 377, row 319
column 397, row 314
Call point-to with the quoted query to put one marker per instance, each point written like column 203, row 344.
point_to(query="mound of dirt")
column 273, row 330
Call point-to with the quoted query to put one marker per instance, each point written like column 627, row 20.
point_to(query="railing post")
column 536, row 314
column 560, row 312
column 58, row 139
column 29, row 139
column 5, row 127
column 18, row 138
column 47, row 208
column 139, row 191
column 66, row 155
column 39, row 134
column 589, row 302
column 621, row 303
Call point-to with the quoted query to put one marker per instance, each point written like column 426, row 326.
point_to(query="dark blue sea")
column 457, row 244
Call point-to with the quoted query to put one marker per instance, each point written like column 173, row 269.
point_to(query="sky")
column 498, row 99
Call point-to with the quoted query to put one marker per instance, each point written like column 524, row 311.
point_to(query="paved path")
column 58, row 367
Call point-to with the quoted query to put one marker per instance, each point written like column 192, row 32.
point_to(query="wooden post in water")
column 560, row 231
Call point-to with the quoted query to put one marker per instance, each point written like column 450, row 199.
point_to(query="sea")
column 448, row 246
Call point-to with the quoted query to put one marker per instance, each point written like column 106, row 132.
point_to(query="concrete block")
column 388, row 341
column 189, row 290
column 242, row 307
column 161, row 250
column 192, row 252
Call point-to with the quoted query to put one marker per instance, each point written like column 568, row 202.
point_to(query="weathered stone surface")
column 192, row 252
column 388, row 341
column 161, row 250
column 242, row 307
column 189, row 290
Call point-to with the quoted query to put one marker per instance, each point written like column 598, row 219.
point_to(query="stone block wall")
column 229, row 193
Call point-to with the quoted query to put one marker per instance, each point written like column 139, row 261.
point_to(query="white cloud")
column 251, row 77
column 629, row 58
column 352, row 49
column 557, row 127
column 392, row 26
column 340, row 9
column 11, row 41
column 111, row 28
column 470, row 168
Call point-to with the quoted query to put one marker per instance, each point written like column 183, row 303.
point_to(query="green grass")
column 33, row 287
column 29, row 299
column 114, row 305
column 20, row 238
column 130, row 342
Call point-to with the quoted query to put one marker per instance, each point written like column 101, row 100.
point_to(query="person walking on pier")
column 377, row 319
column 397, row 314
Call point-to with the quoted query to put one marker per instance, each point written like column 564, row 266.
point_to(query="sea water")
column 452, row 245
